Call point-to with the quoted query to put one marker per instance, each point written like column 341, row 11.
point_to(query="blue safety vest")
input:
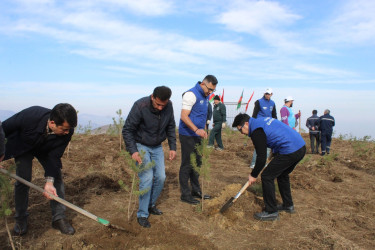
column 280, row 138
column 198, row 114
column 265, row 107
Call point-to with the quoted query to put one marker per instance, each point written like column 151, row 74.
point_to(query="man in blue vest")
column 191, row 131
column 287, row 115
column 264, row 107
column 326, row 123
column 288, row 149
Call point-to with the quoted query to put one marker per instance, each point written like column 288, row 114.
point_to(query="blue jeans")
column 255, row 156
column 151, row 179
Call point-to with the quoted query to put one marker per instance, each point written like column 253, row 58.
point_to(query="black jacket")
column 26, row 131
column 149, row 126
column 2, row 140
column 209, row 112
column 311, row 122
column 326, row 123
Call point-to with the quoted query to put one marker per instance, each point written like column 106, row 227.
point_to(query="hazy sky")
column 102, row 55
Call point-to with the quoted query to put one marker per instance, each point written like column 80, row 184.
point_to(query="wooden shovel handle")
column 241, row 190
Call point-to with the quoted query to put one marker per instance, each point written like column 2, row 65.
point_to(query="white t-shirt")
column 188, row 100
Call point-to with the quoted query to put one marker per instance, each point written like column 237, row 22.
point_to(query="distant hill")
column 5, row 114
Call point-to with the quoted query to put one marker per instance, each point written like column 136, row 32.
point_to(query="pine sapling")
column 203, row 167
column 136, row 169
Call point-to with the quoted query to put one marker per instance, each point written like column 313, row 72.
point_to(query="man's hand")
column 172, row 154
column 137, row 157
column 208, row 121
column 201, row 133
column 223, row 125
column 49, row 188
column 252, row 180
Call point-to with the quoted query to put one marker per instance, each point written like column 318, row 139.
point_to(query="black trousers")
column 280, row 167
column 186, row 169
column 315, row 137
column 21, row 191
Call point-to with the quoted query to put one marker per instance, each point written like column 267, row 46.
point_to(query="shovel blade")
column 227, row 205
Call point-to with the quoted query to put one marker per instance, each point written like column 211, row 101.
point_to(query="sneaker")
column 209, row 146
column 219, row 149
column 143, row 221
column 266, row 216
column 252, row 166
column 289, row 209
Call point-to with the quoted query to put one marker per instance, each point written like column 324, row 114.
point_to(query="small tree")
column 204, row 168
column 6, row 191
column 118, row 124
column 136, row 169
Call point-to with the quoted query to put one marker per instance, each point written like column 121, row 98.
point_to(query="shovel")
column 233, row 199
column 62, row 201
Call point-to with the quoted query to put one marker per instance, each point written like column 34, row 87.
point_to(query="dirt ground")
column 334, row 199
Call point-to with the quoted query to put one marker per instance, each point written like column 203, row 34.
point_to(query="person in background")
column 326, row 123
column 314, row 132
column 44, row 134
column 191, row 131
column 287, row 115
column 219, row 119
column 149, row 123
column 288, row 148
column 209, row 116
column 264, row 107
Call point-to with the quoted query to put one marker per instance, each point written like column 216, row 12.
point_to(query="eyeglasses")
column 240, row 129
column 209, row 89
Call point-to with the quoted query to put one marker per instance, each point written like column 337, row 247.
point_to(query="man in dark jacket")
column 149, row 123
column 44, row 134
column 2, row 142
column 191, row 131
column 288, row 148
column 219, row 119
column 314, row 132
column 326, row 123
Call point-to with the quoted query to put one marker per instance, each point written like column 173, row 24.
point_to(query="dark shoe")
column 265, row 216
column 64, row 226
column 289, row 209
column 322, row 154
column 143, row 222
column 20, row 228
column 153, row 210
column 199, row 195
column 189, row 200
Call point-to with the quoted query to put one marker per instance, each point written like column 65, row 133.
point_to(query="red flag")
column 211, row 98
column 222, row 97
column 247, row 105
column 239, row 101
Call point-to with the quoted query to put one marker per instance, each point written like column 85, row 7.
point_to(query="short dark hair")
column 64, row 112
column 217, row 98
column 162, row 92
column 210, row 79
column 315, row 112
column 240, row 120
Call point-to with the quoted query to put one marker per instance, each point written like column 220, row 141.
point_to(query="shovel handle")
column 58, row 199
column 242, row 190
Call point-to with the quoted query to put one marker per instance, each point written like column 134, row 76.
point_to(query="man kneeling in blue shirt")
column 288, row 149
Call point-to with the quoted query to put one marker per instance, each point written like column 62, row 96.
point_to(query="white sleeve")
column 188, row 100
